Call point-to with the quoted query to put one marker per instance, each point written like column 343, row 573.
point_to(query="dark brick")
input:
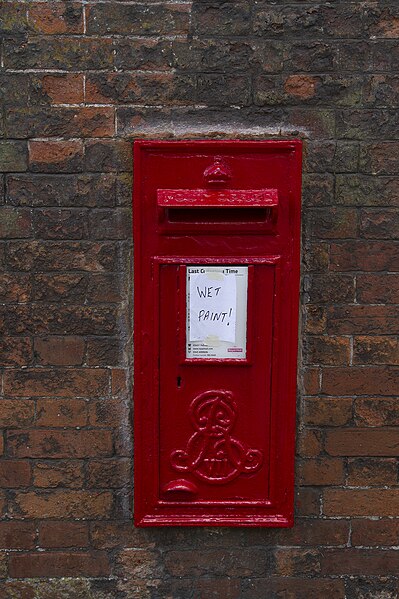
column 379, row 224
column 333, row 351
column 222, row 90
column 334, row 157
column 16, row 412
column 84, row 121
column 365, row 255
column 212, row 18
column 13, row 18
column 108, row 156
column 17, row 535
column 15, row 222
column 106, row 288
column 332, row 223
column 57, row 473
column 15, row 288
column 60, row 223
column 369, row 472
column 365, row 588
column 244, row 562
column 13, row 156
column 53, row 535
column 15, row 351
column 327, row 412
column 138, row 19
column 355, row 190
column 318, row 189
column 311, row 56
column 329, row 289
column 53, row 256
column 143, row 54
column 366, row 124
column 380, row 158
column 300, row 588
column 110, row 224
column 377, row 289
column 375, row 380
column 57, row 413
column 67, row 190
column 60, row 351
column 69, row 288
column 58, row 564
column 376, row 411
column 105, row 351
column 59, row 444
column 108, row 473
column 362, row 320
column 66, row 53
column 63, row 382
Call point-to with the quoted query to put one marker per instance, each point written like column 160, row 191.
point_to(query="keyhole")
column 179, row 381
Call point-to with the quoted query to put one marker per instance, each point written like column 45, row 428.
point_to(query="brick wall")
column 80, row 80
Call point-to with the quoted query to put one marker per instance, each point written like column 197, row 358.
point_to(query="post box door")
column 215, row 412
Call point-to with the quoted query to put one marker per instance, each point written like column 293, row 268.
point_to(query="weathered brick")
column 60, row 223
column 52, row 412
column 59, row 444
column 311, row 381
column 379, row 224
column 63, row 382
column 382, row 21
column 309, row 443
column 137, row 19
column 333, row 351
column 315, row 319
column 376, row 350
column 369, row 472
column 233, row 18
column 108, row 156
column 362, row 320
column 330, row 156
column 290, row 587
column 56, row 18
column 379, row 158
column 36, row 565
column 53, row 535
column 331, row 288
column 318, row 189
column 313, row 55
column 106, row 351
column 108, row 473
column 297, row 562
column 307, row 501
column 13, row 156
column 373, row 380
column 13, row 18
column 56, row 156
column 62, row 504
column 69, row 288
column 222, row 90
column 110, row 224
column 361, row 502
column 376, row 411
column 16, row 412
column 108, row 288
column 53, row 256
column 332, row 223
column 321, row 472
column 363, row 587
column 365, row 255
column 244, row 562
column 57, row 473
column 57, row 88
column 108, row 412
column 60, row 121
column 66, row 53
column 15, row 288
column 143, row 53
column 382, row 90
column 63, row 190
column 362, row 442
column 358, row 561
column 15, row 222
column 327, row 412
column 366, row 190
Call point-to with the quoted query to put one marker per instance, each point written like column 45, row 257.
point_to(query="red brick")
column 297, row 562
column 293, row 588
column 17, row 535
column 16, row 412
column 37, row 565
column 377, row 289
column 56, row 18
column 15, row 351
column 309, row 443
column 60, row 412
column 56, row 156
column 55, row 473
column 60, row 287
column 300, row 86
column 369, row 533
column 15, row 473
column 311, row 381
column 327, row 411
column 59, row 444
column 377, row 411
column 315, row 319
column 363, row 442
column 364, row 255
column 62, row 504
column 361, row 502
column 14, row 288
column 379, row 223
column 372, row 380
column 368, row 472
column 359, row 561
column 307, row 502
column 63, row 382
column 60, row 351
column 53, row 535
column 119, row 383
column 64, row 88
column 108, row 473
column 362, row 320
column 376, row 350
column 332, row 223
column 321, row 472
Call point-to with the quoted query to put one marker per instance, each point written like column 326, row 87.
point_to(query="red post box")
column 217, row 243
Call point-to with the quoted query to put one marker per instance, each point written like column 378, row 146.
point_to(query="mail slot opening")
column 218, row 215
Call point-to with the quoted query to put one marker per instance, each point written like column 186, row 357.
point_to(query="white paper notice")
column 216, row 312
column 213, row 300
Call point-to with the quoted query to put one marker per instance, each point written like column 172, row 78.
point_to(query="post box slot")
column 227, row 214
column 209, row 198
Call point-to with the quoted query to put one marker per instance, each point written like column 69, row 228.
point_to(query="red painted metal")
column 214, row 438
